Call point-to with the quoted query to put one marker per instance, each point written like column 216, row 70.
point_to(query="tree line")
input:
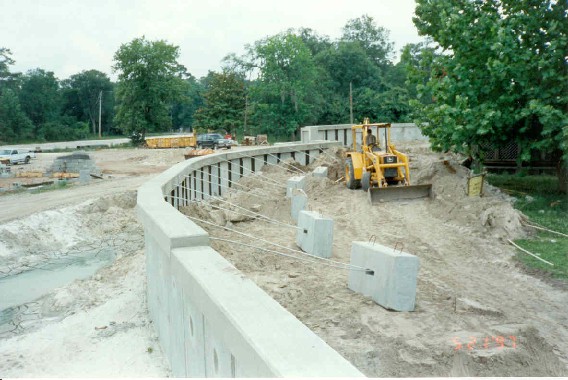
column 488, row 73
column 283, row 82
column 36, row 106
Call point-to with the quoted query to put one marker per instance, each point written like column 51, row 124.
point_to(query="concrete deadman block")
column 84, row 176
column 393, row 284
column 299, row 203
column 320, row 172
column 315, row 235
column 296, row 182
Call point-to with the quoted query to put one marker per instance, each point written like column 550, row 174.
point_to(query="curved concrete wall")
column 400, row 132
column 211, row 320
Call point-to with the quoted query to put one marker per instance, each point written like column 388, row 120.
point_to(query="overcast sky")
column 69, row 36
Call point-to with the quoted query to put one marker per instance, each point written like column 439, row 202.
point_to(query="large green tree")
column 224, row 103
column 503, row 75
column 418, row 61
column 82, row 94
column 14, row 124
column 150, row 82
column 348, row 63
column 285, row 94
column 183, row 113
column 7, row 78
column 40, row 98
column 373, row 39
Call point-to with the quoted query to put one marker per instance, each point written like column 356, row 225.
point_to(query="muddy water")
column 30, row 285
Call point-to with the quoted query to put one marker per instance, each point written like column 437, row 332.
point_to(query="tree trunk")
column 563, row 176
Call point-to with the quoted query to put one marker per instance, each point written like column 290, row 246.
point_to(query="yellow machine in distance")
column 378, row 168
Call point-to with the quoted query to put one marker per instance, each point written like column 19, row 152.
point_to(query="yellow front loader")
column 378, row 168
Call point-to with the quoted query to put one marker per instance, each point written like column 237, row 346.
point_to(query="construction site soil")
column 477, row 313
column 72, row 273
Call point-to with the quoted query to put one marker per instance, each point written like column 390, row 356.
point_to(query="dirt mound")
column 492, row 214
column 124, row 200
column 334, row 160
column 467, row 285
column 529, row 354
column 95, row 224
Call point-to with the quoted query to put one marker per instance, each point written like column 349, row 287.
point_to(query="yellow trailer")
column 176, row 141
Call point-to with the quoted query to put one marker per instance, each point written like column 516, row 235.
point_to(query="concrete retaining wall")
column 211, row 320
column 400, row 132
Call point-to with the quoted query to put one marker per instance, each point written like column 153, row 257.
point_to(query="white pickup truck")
column 14, row 156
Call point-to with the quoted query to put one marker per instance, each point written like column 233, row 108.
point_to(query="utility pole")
column 246, row 106
column 100, row 111
column 350, row 102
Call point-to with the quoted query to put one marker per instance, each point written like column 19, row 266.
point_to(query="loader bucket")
column 394, row 193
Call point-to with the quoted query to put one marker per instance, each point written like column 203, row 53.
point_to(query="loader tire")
column 350, row 180
column 366, row 181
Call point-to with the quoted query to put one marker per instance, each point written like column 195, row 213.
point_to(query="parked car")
column 14, row 156
column 232, row 142
column 213, row 140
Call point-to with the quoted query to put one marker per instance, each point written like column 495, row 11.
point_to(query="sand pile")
column 95, row 225
column 334, row 160
column 493, row 213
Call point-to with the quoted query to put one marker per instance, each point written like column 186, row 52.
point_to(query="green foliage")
column 65, row 128
column 150, row 81
column 33, row 106
column 183, row 112
column 40, row 97
column 525, row 184
column 372, row 38
column 57, row 185
column 14, row 124
column 285, row 94
column 7, row 79
column 347, row 62
column 224, row 103
column 418, row 62
column 313, row 41
column 538, row 198
column 81, row 97
column 390, row 105
column 303, row 78
column 503, row 75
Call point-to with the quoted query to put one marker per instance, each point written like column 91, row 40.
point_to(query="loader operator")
column 371, row 141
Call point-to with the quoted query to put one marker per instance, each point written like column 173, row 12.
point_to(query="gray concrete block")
column 296, row 182
column 320, row 171
column 84, row 176
column 299, row 203
column 393, row 284
column 315, row 235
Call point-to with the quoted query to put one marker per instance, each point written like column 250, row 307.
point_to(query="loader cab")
column 370, row 137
